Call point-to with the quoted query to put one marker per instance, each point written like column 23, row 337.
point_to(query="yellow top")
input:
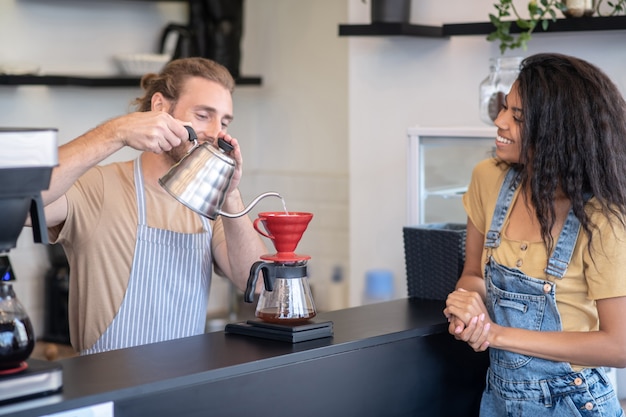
column 588, row 278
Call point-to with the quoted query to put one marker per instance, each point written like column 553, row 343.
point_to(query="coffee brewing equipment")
column 26, row 162
column 214, row 30
column 201, row 178
column 200, row 181
column 285, row 308
column 286, row 297
column 17, row 335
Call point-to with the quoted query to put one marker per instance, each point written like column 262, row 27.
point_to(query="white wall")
column 293, row 128
column 67, row 37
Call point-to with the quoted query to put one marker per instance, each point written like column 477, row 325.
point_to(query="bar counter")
column 388, row 359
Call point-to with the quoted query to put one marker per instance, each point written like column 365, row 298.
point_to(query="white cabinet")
column 439, row 168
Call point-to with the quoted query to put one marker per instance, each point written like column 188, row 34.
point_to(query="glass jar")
column 503, row 72
column 578, row 8
column 17, row 338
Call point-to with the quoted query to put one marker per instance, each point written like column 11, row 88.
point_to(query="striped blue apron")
column 168, row 287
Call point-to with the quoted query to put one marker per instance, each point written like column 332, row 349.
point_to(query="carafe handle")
column 267, row 269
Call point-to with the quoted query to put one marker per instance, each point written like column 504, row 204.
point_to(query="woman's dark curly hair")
column 171, row 79
column 573, row 138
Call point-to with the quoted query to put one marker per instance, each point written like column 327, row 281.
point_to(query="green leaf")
column 533, row 9
column 507, row 38
column 553, row 14
column 504, row 28
column 524, row 37
column 493, row 36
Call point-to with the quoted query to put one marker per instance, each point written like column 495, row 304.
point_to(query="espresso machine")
column 27, row 158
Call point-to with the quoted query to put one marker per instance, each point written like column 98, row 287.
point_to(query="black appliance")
column 57, row 327
column 214, row 31
column 26, row 162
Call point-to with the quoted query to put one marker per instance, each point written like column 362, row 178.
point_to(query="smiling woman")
column 542, row 287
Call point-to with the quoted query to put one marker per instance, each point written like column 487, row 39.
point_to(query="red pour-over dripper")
column 285, row 229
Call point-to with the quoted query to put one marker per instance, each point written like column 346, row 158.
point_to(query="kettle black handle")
column 225, row 146
column 192, row 134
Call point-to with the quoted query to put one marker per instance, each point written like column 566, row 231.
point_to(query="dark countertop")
column 171, row 367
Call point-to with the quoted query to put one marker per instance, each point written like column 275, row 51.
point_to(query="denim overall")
column 519, row 385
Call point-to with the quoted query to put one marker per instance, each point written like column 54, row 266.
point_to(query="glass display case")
column 439, row 168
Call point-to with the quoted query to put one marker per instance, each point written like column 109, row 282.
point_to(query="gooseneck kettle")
column 201, row 178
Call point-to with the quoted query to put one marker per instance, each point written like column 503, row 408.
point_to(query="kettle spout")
column 250, row 206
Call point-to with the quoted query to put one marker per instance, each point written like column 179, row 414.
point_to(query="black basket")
column 434, row 256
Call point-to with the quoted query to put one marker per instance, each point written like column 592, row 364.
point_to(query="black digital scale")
column 38, row 379
column 309, row 330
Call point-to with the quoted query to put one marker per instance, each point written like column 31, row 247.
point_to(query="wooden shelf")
column 480, row 28
column 85, row 81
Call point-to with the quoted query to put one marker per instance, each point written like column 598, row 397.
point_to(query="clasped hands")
column 468, row 318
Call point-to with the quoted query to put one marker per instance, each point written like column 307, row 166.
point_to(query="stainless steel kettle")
column 202, row 177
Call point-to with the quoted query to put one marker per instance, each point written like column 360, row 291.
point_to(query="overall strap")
column 507, row 191
column 562, row 254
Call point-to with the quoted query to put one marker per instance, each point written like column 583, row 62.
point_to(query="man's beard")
column 177, row 153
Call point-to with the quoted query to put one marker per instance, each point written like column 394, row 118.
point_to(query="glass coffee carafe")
column 16, row 331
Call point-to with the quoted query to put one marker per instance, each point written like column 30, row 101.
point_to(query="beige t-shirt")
column 99, row 240
column 586, row 280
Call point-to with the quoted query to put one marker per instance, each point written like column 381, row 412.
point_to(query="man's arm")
column 236, row 245
column 144, row 131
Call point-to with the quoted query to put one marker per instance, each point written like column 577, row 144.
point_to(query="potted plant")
column 540, row 12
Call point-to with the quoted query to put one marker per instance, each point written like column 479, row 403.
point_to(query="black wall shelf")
column 82, row 81
column 391, row 29
column 481, row 28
